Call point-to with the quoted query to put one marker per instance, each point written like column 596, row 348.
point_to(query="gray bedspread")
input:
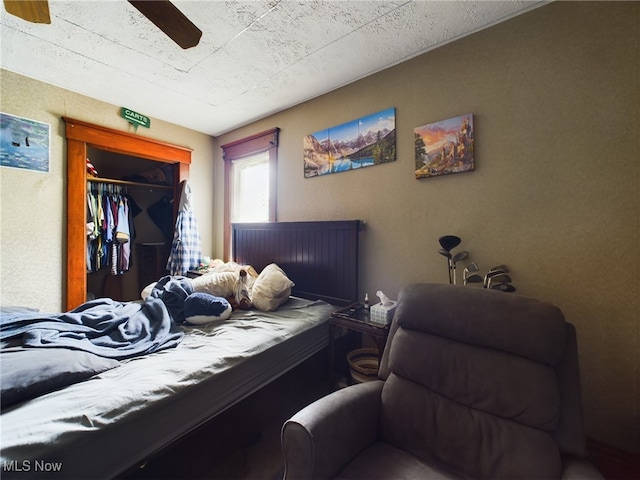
column 100, row 427
column 106, row 327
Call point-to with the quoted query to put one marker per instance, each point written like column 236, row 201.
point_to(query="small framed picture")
column 444, row 147
column 24, row 143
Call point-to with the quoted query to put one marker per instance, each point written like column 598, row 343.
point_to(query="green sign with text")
column 135, row 117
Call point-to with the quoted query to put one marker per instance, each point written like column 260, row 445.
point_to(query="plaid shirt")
column 186, row 250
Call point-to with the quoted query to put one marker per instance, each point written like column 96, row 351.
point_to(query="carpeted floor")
column 264, row 459
column 244, row 442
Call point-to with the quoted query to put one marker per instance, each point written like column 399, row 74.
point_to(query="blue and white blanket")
column 106, row 327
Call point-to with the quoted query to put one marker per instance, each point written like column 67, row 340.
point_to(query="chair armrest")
column 323, row 437
column 574, row 468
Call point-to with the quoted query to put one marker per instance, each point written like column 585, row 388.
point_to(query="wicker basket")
column 363, row 364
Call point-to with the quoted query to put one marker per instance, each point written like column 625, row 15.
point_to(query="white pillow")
column 217, row 284
column 271, row 289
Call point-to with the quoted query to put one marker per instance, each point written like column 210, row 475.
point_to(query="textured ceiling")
column 255, row 58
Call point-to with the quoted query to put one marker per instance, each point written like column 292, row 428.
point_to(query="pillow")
column 29, row 372
column 201, row 308
column 271, row 289
column 217, row 284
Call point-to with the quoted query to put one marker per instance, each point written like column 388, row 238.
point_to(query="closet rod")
column 127, row 183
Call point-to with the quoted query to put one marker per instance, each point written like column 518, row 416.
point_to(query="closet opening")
column 130, row 223
column 145, row 171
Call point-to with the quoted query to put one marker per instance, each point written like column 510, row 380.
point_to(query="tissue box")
column 379, row 313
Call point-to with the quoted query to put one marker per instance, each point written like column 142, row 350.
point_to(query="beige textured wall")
column 33, row 205
column 556, row 190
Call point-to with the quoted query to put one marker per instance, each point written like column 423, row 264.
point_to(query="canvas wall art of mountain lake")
column 364, row 142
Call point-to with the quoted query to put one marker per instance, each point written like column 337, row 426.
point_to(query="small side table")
column 355, row 318
column 194, row 273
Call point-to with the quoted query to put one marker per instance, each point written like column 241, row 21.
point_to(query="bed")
column 104, row 426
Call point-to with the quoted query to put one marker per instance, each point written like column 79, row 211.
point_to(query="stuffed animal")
column 201, row 308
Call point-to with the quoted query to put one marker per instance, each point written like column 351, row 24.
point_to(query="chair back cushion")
column 472, row 382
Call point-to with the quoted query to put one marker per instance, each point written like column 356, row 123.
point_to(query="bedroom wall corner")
column 556, row 190
column 33, row 204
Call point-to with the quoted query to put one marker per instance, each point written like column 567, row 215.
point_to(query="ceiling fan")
column 162, row 13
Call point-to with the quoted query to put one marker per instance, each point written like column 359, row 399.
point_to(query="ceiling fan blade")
column 35, row 11
column 170, row 20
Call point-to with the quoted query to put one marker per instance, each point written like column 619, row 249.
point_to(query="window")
column 250, row 181
column 250, row 189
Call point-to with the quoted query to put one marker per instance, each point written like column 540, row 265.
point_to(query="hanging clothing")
column 186, row 250
column 109, row 229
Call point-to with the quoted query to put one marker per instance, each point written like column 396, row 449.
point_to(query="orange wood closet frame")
column 81, row 135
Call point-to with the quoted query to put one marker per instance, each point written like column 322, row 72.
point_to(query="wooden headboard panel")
column 320, row 257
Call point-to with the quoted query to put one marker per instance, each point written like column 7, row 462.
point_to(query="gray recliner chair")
column 474, row 383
